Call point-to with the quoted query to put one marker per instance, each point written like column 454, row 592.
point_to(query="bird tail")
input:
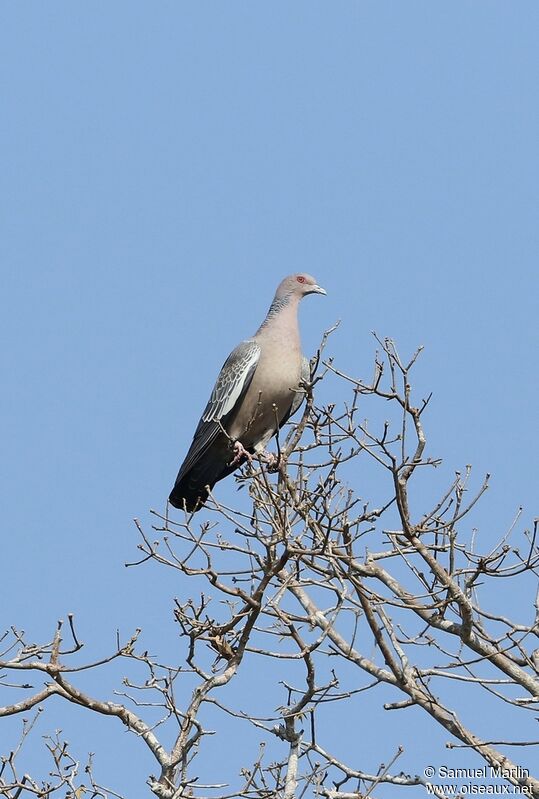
column 190, row 494
column 191, row 489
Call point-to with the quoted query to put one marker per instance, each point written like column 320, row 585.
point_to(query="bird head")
column 298, row 285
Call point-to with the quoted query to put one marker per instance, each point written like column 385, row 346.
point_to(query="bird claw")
column 271, row 460
column 240, row 453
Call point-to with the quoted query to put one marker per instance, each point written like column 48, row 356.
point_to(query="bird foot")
column 240, row 453
column 271, row 460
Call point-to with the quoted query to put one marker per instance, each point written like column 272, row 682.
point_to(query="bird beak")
column 318, row 290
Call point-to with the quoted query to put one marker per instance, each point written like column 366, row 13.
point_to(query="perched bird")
column 257, row 390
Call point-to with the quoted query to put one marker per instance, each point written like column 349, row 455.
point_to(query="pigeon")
column 257, row 390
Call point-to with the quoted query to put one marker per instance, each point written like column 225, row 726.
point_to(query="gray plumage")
column 257, row 390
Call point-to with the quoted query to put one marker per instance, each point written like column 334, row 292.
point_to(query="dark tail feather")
column 190, row 491
column 186, row 498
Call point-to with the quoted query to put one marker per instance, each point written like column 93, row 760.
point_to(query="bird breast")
column 269, row 396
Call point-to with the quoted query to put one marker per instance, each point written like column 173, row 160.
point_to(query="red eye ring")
column 300, row 279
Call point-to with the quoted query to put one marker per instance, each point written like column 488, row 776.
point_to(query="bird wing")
column 233, row 381
column 299, row 395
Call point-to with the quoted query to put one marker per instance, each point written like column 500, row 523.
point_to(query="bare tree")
column 343, row 595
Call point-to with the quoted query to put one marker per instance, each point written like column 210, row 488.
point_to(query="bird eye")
column 300, row 279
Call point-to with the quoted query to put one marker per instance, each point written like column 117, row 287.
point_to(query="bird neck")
column 281, row 308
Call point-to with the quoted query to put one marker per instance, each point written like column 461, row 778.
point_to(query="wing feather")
column 299, row 396
column 234, row 377
column 232, row 383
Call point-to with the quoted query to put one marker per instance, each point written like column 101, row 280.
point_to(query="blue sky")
column 163, row 167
